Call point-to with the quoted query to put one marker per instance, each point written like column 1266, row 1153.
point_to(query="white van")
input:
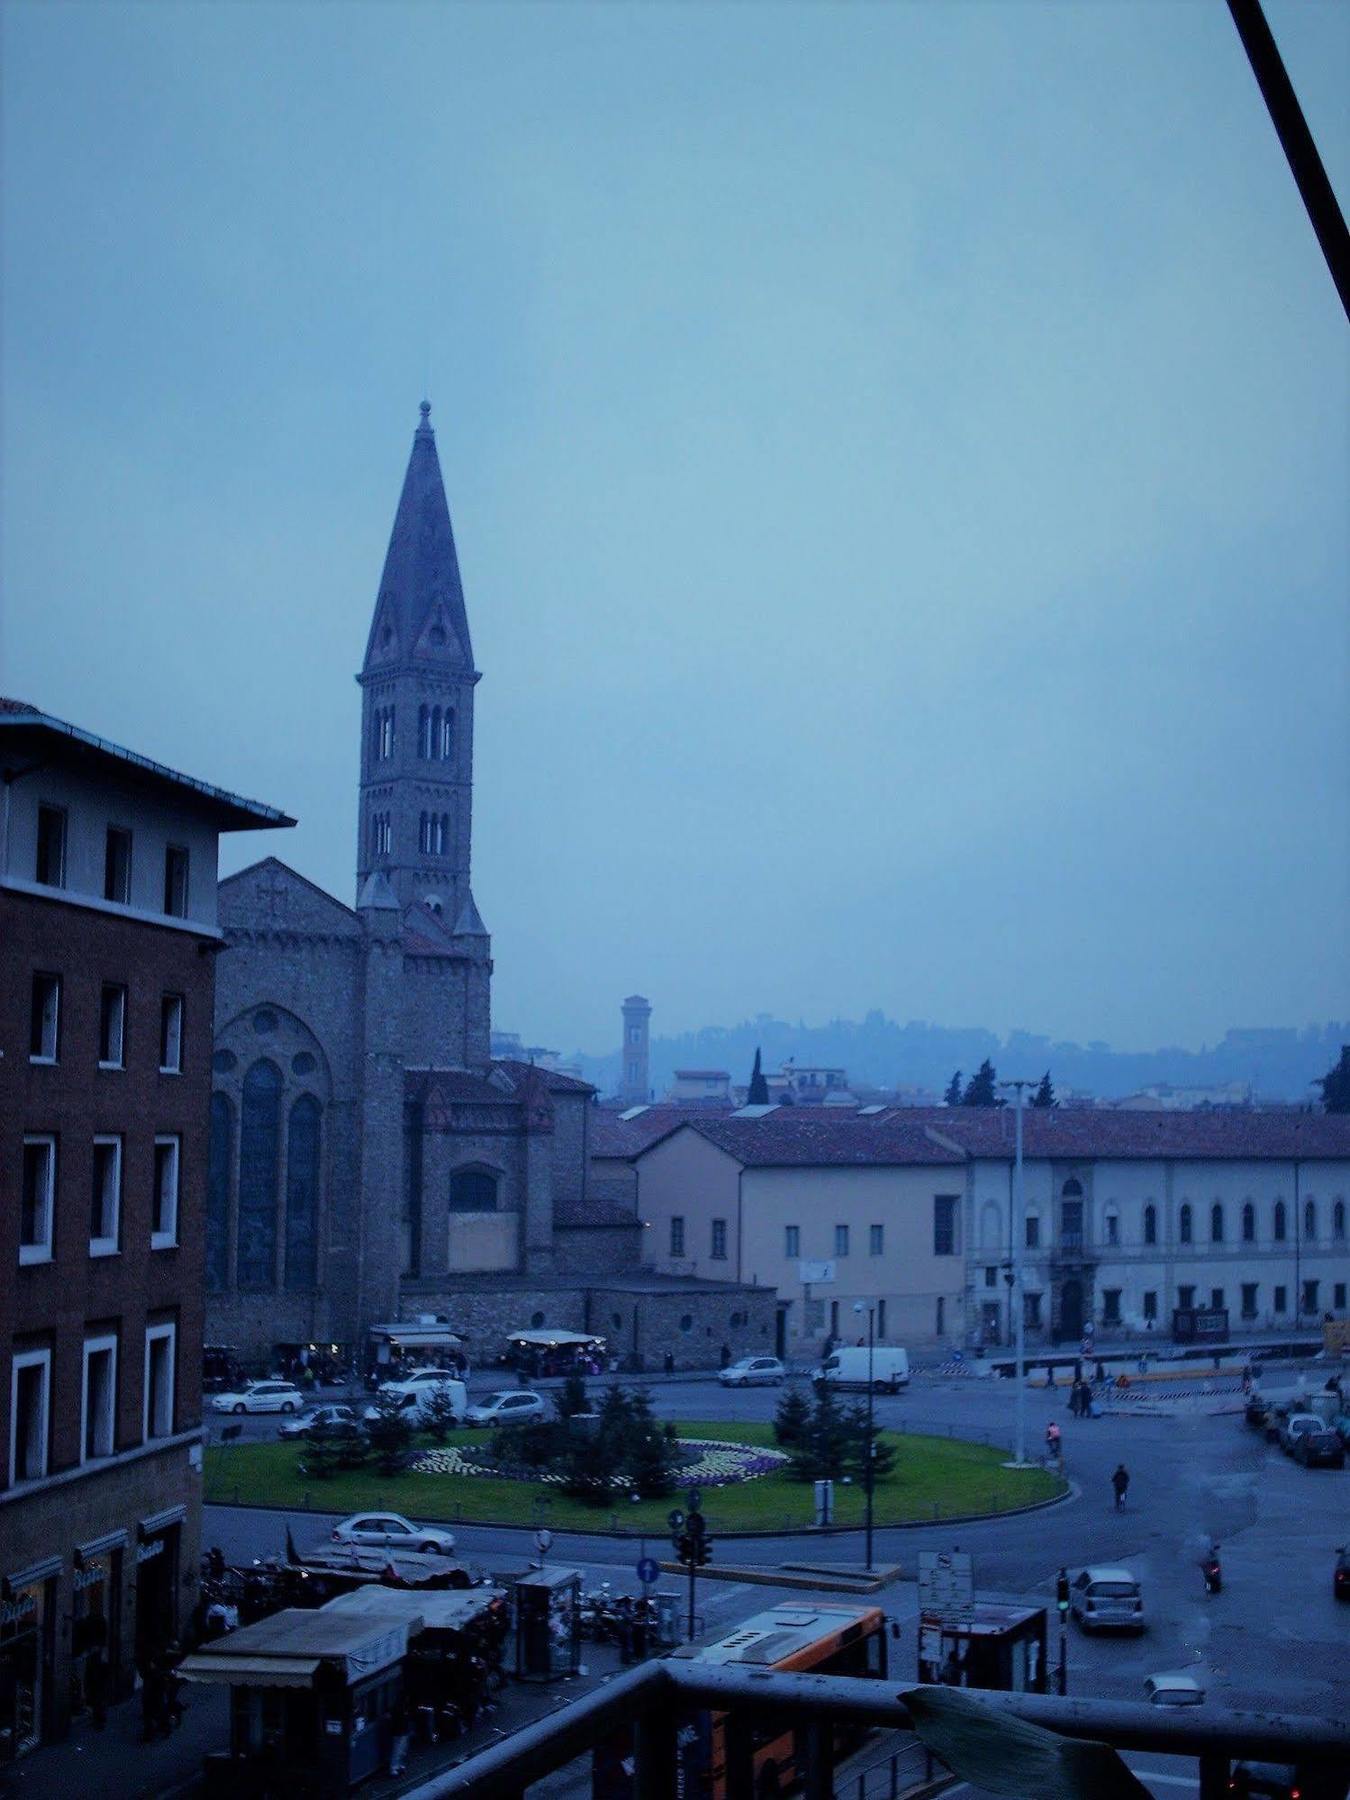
column 414, row 1395
column 847, row 1368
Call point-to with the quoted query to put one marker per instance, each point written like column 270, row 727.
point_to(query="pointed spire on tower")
column 420, row 614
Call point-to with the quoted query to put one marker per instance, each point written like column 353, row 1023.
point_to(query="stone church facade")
column 370, row 1160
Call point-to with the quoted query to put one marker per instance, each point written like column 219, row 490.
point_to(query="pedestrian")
column 401, row 1728
column 670, row 1362
column 1120, row 1482
column 1054, row 1442
column 724, row 1356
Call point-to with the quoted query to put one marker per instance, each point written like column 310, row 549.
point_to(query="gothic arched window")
column 447, row 735
column 424, row 733
column 435, row 732
column 423, row 836
column 218, row 1195
column 443, row 846
column 1184, row 1224
column 1310, row 1218
column 473, row 1190
column 1248, row 1223
column 1338, row 1221
column 1216, row 1223
column 259, row 1158
column 1279, row 1231
column 1150, row 1223
column 302, row 1194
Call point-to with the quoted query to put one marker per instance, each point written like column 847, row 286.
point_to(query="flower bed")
column 712, row 1463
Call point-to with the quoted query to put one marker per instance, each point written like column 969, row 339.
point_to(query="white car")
column 416, row 1397
column 1103, row 1598
column 337, row 1418
column 391, row 1531
column 511, row 1407
column 420, row 1378
column 1179, row 1689
column 753, row 1371
column 261, row 1397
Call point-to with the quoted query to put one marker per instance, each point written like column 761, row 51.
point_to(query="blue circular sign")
column 647, row 1571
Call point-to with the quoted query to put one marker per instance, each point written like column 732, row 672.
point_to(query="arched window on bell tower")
column 424, row 746
column 447, row 740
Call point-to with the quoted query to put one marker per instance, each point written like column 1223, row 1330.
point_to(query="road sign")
column 807, row 1272
column 946, row 1584
column 675, row 1520
column 543, row 1540
column 647, row 1570
column 695, row 1500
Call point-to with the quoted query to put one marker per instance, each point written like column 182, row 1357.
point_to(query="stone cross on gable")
column 273, row 896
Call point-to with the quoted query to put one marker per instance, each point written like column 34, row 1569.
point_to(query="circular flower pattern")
column 714, row 1464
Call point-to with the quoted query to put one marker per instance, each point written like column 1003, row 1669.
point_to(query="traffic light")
column 1062, row 1592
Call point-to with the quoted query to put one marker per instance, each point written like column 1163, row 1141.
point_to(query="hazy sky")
column 898, row 455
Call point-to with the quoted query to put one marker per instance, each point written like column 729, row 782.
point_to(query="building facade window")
column 424, row 733
column 940, row 1317
column 876, row 1240
column 792, row 1242
column 1310, row 1220
column 841, row 1240
column 220, row 1159
column 1249, row 1292
column 1248, row 1223
column 37, row 1201
column 1110, row 1306
column 105, row 1211
column 1186, row 1297
column 1151, row 1305
column 1338, row 1296
column 50, row 867
column 164, row 1199
column 473, row 1190
column 1216, row 1299
column 1031, row 1311
column 1216, row 1223
column 719, row 1240
column 1033, row 1231
column 1279, row 1228
column 447, row 737
column 117, row 866
column 944, row 1224
column 29, row 1414
column 171, row 1035
column 1338, row 1221
column 881, row 1319
column 677, row 1234
column 160, row 1357
column 302, row 1194
column 98, row 1424
column 112, row 1026
column 1310, row 1289
column 176, row 881
column 1185, row 1231
column 259, row 1156
column 1150, row 1224
column 44, row 1028
column 1281, row 1300
column 1113, row 1228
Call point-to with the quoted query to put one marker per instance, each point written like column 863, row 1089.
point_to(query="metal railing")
column 651, row 1701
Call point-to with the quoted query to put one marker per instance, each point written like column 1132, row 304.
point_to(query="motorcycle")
column 1212, row 1572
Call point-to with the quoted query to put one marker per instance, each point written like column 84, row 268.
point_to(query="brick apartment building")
column 107, row 978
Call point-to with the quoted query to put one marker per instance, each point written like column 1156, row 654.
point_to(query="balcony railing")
column 653, row 1699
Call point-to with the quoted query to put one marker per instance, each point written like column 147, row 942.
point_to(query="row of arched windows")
column 259, row 1224
column 433, row 834
column 1279, row 1222
column 381, row 834
column 382, row 733
column 436, row 733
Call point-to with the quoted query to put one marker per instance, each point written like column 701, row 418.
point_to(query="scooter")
column 1212, row 1572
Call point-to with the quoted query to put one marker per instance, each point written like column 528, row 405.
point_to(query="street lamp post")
column 867, row 1466
column 1019, row 1233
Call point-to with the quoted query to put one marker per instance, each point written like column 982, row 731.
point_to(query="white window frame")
column 120, row 1060
column 718, row 1236
column 166, row 1239
column 92, row 1347
column 842, row 1236
column 30, row 1359
column 43, row 1056
column 159, row 1333
column 109, row 1245
column 41, row 1251
column 171, row 1008
column 876, row 1240
column 792, row 1243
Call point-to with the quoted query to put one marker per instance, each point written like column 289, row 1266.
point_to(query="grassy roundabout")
column 933, row 1479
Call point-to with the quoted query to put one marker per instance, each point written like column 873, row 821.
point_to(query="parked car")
column 260, row 1397
column 510, row 1407
column 753, row 1371
column 1102, row 1599
column 1256, row 1413
column 337, row 1418
column 1321, row 1449
column 413, row 1397
column 1294, row 1426
column 1178, row 1689
column 391, row 1531
column 1273, row 1781
column 415, row 1378
column 849, row 1367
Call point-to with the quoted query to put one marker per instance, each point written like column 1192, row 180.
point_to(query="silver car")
column 261, row 1397
column 754, row 1371
column 511, row 1407
column 391, row 1531
column 337, row 1418
column 1103, row 1599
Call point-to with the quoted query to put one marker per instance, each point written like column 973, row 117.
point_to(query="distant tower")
column 635, row 1084
column 417, row 708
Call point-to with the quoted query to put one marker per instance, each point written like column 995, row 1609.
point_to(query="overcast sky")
column 898, row 455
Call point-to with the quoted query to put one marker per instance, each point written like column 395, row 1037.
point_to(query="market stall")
column 418, row 1343
column 456, row 1645
column 555, row 1353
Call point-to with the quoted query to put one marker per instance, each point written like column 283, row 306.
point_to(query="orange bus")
column 810, row 1637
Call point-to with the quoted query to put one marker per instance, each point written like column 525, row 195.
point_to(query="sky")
column 898, row 456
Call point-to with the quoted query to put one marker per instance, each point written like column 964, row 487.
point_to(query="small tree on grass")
column 439, row 1416
column 822, row 1454
column 651, row 1452
column 319, row 1457
column 792, row 1417
column 883, row 1454
column 390, row 1433
column 572, row 1398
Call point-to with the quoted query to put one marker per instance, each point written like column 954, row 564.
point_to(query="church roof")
column 420, row 588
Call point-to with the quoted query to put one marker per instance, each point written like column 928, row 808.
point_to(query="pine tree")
column 981, row 1088
column 651, row 1456
column 883, row 1454
column 572, row 1398
column 1045, row 1093
column 390, row 1432
column 758, row 1091
column 1335, row 1085
column 952, row 1097
column 438, row 1415
column 823, row 1453
column 792, row 1418
column 320, row 1455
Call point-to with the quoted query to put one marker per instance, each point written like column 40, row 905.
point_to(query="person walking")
column 1120, row 1483
column 1054, row 1446
column 401, row 1735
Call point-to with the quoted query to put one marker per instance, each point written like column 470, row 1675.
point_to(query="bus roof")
column 787, row 1630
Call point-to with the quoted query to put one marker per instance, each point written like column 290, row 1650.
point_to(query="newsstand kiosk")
column 548, row 1624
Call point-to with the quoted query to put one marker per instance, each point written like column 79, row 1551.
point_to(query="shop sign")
column 89, row 1576
column 144, row 1552
column 21, row 1607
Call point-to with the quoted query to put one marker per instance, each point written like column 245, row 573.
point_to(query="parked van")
column 847, row 1368
column 415, row 1395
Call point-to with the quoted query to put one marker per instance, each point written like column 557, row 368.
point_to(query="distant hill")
column 1277, row 1062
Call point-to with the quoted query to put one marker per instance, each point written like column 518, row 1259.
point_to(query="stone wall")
column 694, row 1326
column 597, row 1250
column 484, row 1315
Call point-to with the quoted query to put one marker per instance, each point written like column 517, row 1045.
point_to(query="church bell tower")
column 417, row 688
